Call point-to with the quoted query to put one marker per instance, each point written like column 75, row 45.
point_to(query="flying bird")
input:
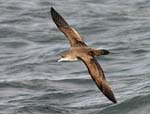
column 80, row 51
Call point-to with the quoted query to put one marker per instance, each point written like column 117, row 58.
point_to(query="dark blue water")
column 33, row 82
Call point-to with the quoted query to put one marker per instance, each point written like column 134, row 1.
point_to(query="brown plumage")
column 98, row 76
column 73, row 36
column 79, row 50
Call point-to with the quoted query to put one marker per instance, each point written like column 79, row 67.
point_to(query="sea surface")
column 33, row 82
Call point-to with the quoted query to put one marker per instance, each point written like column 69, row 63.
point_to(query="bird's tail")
column 100, row 52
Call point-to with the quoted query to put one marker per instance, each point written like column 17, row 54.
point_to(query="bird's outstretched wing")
column 73, row 36
column 98, row 76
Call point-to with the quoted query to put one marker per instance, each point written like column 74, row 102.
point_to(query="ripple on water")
column 31, row 79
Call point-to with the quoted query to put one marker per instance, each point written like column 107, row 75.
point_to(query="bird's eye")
column 62, row 56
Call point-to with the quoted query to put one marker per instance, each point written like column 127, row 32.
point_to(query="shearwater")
column 80, row 51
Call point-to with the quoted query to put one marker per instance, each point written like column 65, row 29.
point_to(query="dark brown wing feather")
column 97, row 75
column 72, row 35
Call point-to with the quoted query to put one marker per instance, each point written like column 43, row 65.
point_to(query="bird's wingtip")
column 113, row 100
column 107, row 91
column 52, row 10
column 58, row 19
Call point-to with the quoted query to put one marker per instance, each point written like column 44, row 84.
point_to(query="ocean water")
column 33, row 82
